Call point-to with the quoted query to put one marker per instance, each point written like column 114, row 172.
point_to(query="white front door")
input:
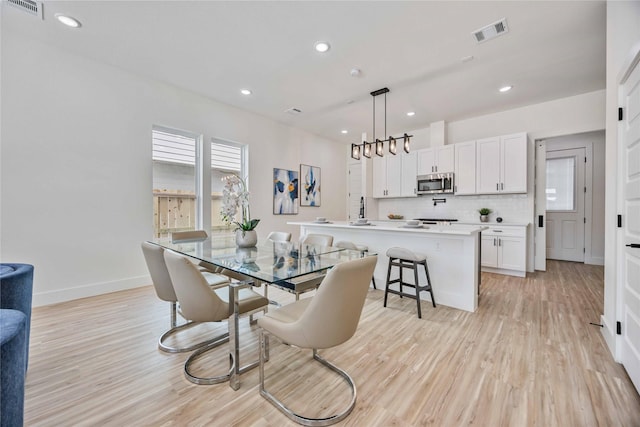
column 565, row 192
column 355, row 189
column 629, row 145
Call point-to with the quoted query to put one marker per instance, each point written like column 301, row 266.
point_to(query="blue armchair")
column 16, row 292
column 12, row 360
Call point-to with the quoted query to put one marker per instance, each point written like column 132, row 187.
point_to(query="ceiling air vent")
column 490, row 31
column 30, row 6
column 293, row 111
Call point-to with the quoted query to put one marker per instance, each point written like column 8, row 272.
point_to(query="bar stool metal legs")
column 402, row 258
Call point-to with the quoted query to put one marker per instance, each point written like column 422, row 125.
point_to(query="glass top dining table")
column 270, row 262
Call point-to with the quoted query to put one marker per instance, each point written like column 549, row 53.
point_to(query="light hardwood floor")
column 527, row 357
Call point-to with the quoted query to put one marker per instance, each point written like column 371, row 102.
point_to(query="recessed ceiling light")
column 68, row 21
column 506, row 88
column 411, row 113
column 322, row 46
column 344, row 131
column 245, row 91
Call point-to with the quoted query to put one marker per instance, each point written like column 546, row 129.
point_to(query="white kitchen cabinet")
column 514, row 163
column 465, row 168
column 408, row 175
column 501, row 164
column 394, row 176
column 379, row 182
column 504, row 250
column 436, row 159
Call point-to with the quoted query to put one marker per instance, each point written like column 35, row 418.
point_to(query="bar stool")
column 404, row 258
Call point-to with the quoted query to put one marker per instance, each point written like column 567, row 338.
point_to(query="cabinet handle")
column 436, row 167
column 414, row 191
column 502, row 186
column 494, row 241
column 497, row 187
column 499, row 242
column 455, row 188
column 497, row 231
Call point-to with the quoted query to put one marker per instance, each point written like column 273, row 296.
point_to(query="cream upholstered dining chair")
column 198, row 236
column 317, row 239
column 309, row 282
column 200, row 303
column 154, row 257
column 279, row 236
column 188, row 236
column 363, row 249
column 328, row 319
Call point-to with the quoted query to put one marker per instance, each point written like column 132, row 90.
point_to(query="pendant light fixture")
column 378, row 145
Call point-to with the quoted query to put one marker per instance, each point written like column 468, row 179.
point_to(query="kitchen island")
column 453, row 254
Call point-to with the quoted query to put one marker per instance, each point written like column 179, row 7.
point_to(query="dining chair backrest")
column 332, row 316
column 188, row 236
column 154, row 257
column 279, row 236
column 318, row 239
column 346, row 245
column 197, row 301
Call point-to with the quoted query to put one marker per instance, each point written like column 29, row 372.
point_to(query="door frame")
column 540, row 197
column 540, row 187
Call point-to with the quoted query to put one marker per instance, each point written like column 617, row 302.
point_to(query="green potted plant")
column 484, row 214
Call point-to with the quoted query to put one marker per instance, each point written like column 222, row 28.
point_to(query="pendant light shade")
column 366, row 149
column 379, row 147
column 377, row 143
column 355, row 151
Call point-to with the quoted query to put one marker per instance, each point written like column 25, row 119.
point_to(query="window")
column 226, row 158
column 561, row 183
column 174, row 181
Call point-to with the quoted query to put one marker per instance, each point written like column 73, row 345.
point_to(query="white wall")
column 565, row 116
column 623, row 40
column 76, row 170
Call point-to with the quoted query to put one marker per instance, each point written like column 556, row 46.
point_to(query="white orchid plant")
column 236, row 197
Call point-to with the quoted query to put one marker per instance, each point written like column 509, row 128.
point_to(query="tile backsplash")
column 511, row 207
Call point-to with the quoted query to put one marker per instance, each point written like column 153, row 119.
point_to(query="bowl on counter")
column 395, row 216
column 413, row 222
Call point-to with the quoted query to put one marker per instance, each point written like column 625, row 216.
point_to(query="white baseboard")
column 63, row 295
column 594, row 260
column 609, row 337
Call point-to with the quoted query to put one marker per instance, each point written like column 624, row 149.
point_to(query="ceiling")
column 552, row 50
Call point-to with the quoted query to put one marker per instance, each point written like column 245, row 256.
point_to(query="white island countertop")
column 458, row 229
column 452, row 251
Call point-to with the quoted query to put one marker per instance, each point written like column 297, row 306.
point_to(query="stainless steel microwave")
column 435, row 183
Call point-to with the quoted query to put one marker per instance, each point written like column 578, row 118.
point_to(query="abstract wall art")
column 285, row 192
column 310, row 189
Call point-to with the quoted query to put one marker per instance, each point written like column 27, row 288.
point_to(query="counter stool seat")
column 405, row 258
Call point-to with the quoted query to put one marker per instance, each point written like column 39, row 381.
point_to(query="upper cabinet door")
column 488, row 161
column 379, row 183
column 514, row 163
column 426, row 161
column 444, row 158
column 409, row 174
column 465, row 168
column 394, row 175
